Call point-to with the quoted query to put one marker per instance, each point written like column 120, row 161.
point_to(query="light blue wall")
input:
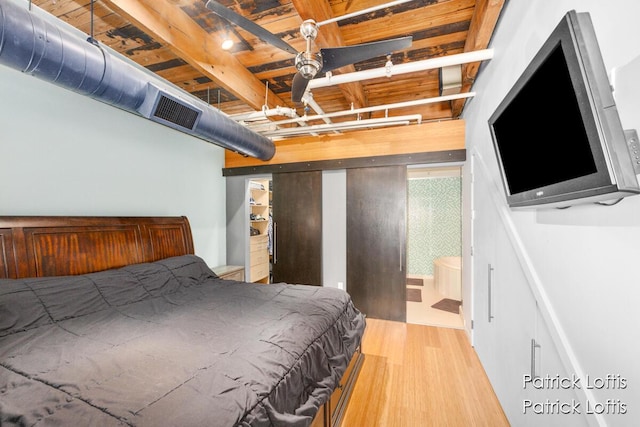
column 433, row 223
column 65, row 154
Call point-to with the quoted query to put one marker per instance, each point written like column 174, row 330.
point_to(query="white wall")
column 585, row 257
column 334, row 228
column 66, row 154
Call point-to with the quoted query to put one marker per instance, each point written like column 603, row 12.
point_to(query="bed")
column 113, row 321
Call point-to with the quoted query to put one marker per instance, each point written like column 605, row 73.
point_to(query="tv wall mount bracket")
column 633, row 143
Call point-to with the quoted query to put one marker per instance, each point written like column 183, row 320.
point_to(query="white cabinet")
column 552, row 390
column 504, row 309
column 510, row 335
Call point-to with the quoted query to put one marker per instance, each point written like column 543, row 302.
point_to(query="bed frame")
column 43, row 246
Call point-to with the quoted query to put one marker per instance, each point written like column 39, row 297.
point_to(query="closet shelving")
column 259, row 203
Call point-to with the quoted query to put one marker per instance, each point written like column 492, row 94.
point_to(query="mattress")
column 168, row 343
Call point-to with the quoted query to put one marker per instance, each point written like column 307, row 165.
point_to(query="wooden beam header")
column 422, row 138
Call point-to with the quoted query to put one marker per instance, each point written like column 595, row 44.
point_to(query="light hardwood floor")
column 415, row 375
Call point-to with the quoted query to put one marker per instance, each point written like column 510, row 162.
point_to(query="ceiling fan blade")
column 298, row 87
column 249, row 26
column 333, row 58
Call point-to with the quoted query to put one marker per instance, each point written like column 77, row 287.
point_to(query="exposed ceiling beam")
column 164, row 21
column 427, row 137
column 329, row 36
column 485, row 18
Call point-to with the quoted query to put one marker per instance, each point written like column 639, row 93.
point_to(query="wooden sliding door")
column 376, row 236
column 297, row 227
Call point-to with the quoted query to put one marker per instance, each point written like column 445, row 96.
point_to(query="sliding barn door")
column 297, row 227
column 376, row 235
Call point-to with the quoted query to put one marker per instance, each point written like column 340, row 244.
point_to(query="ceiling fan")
column 308, row 63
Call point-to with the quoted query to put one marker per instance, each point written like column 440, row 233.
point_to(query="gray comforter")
column 170, row 344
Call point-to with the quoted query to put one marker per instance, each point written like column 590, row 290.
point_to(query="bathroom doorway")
column 434, row 246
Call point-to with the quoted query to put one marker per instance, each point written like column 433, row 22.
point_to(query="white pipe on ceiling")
column 354, row 124
column 265, row 113
column 272, row 125
column 410, row 67
column 405, row 104
column 317, row 108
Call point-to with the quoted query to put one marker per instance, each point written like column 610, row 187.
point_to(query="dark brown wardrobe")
column 376, row 240
column 297, row 228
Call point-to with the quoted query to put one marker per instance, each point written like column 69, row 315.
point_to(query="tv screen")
column 557, row 134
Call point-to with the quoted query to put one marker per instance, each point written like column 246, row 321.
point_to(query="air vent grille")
column 174, row 112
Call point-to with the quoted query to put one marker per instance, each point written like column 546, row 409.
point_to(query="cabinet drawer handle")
column 400, row 249
column 534, row 346
column 490, row 287
column 274, row 240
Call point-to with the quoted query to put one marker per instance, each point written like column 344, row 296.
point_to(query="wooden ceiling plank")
column 406, row 23
column 59, row 8
column 482, row 26
column 344, row 7
column 178, row 73
column 169, row 24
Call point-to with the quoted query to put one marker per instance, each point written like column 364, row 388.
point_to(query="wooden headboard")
column 67, row 245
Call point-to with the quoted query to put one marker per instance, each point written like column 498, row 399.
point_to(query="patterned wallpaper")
column 434, row 222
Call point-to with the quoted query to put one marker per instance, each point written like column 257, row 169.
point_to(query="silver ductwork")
column 35, row 42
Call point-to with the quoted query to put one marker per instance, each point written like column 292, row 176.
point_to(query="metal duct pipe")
column 34, row 42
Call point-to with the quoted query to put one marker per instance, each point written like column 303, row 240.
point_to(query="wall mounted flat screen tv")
column 557, row 133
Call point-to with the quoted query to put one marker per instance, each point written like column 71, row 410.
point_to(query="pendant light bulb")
column 227, row 43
